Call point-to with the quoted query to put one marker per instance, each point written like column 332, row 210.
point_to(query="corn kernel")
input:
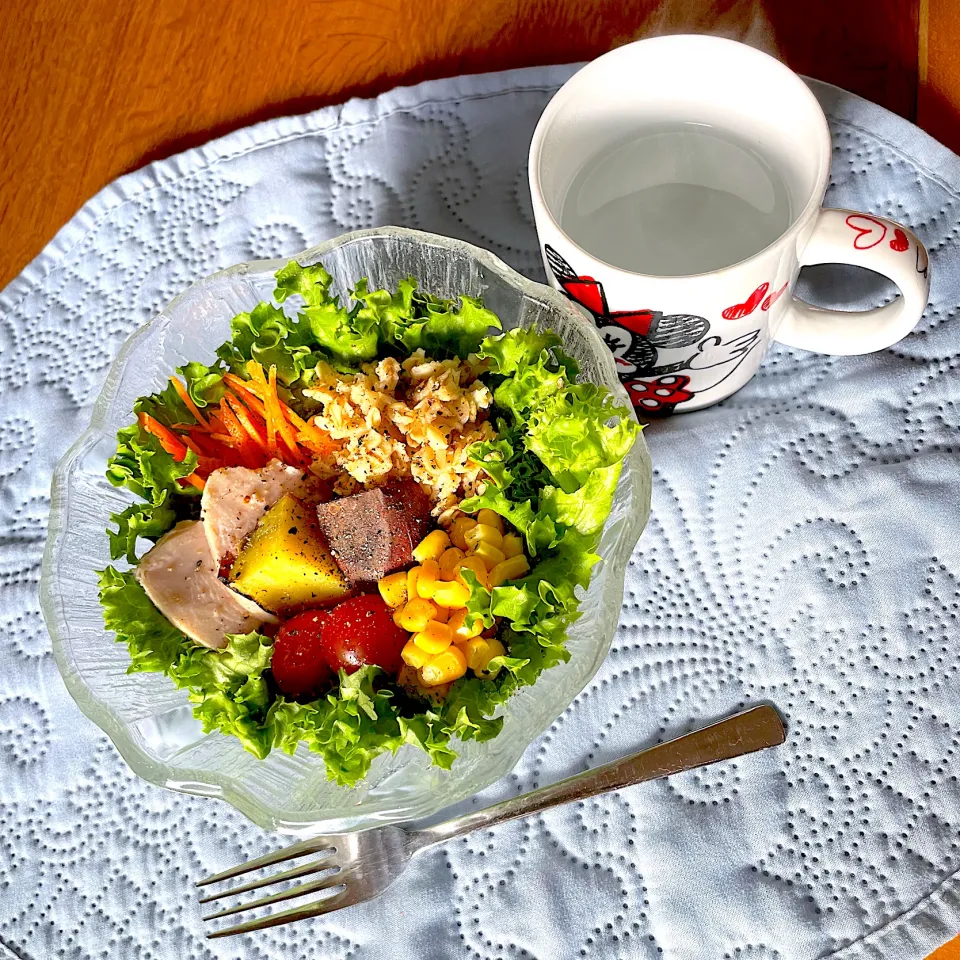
column 434, row 638
column 443, row 613
column 496, row 649
column 397, row 614
column 477, row 567
column 428, row 579
column 465, row 626
column 458, row 533
column 511, row 569
column 481, row 533
column 447, row 666
column 489, row 554
column 450, row 563
column 491, row 519
column 393, row 589
column 476, row 650
column 453, row 594
column 414, row 656
column 512, row 546
column 412, row 576
column 431, row 547
column 409, row 679
column 415, row 614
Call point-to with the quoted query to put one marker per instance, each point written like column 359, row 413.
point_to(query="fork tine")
column 315, row 866
column 313, row 845
column 314, row 886
column 327, row 905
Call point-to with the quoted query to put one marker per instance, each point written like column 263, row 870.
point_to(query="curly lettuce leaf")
column 468, row 707
column 204, row 385
column 587, row 508
column 228, row 688
column 312, row 283
column 452, row 329
column 412, row 319
column 143, row 466
column 154, row 643
column 521, row 347
column 428, row 732
column 266, row 334
column 578, row 430
column 148, row 520
column 350, row 337
column 348, row 728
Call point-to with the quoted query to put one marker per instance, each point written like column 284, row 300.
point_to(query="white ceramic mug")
column 685, row 342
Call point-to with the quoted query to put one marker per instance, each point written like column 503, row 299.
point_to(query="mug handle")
column 888, row 248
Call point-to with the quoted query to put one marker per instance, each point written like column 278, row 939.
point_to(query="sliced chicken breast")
column 236, row 498
column 180, row 576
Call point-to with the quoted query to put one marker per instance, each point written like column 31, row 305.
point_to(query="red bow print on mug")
column 635, row 337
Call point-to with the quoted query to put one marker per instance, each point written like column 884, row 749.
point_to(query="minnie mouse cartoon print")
column 636, row 338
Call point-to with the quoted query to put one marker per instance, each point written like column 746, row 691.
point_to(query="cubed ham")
column 373, row 533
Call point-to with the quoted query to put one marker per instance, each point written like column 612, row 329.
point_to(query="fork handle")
column 742, row 733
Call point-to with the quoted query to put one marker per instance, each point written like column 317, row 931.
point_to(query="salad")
column 364, row 524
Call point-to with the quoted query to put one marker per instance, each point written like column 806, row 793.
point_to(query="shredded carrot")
column 168, row 439
column 190, row 445
column 295, row 421
column 209, row 446
column 242, row 389
column 283, row 426
column 243, row 415
column 239, row 440
column 258, row 380
column 270, row 414
column 318, row 443
column 187, row 401
column 251, row 425
column 257, row 383
column 196, row 481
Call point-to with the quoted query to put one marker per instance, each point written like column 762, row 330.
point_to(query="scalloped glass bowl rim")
column 637, row 471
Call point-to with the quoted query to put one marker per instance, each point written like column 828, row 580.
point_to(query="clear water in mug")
column 677, row 199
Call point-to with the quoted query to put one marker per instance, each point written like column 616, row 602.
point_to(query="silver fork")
column 359, row 866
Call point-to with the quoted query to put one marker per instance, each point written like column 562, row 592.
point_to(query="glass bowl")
column 147, row 718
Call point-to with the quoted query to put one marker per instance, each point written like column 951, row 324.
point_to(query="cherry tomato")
column 299, row 666
column 361, row 631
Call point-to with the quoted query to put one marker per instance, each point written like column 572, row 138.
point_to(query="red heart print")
column 740, row 310
column 869, row 230
column 899, row 241
column 773, row 298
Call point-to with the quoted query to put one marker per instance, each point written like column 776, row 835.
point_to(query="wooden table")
column 92, row 90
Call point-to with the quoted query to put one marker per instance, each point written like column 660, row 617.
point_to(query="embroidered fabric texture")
column 803, row 549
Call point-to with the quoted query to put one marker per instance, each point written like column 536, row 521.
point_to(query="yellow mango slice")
column 286, row 563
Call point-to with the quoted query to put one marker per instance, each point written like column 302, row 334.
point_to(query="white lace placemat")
column 804, row 549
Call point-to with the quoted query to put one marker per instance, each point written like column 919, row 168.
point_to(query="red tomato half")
column 361, row 631
column 299, row 666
